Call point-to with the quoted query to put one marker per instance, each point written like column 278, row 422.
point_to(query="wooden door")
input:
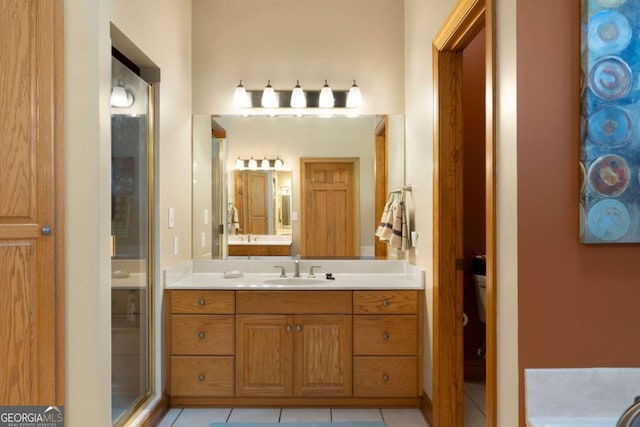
column 264, row 348
column 329, row 208
column 252, row 201
column 381, row 179
column 31, row 203
column 323, row 355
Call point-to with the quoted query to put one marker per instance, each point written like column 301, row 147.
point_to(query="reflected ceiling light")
column 264, row 164
column 240, row 98
column 269, row 99
column 253, row 164
column 354, row 97
column 278, row 164
column 326, row 97
column 239, row 164
column 298, row 98
column 120, row 97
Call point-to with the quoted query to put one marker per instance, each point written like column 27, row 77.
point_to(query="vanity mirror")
column 324, row 187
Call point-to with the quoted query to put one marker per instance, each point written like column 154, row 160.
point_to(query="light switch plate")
column 294, row 216
column 206, row 217
column 175, row 246
column 172, row 217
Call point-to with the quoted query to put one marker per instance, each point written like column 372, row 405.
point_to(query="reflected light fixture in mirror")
column 264, row 164
column 326, row 97
column 253, row 164
column 239, row 164
column 278, row 163
column 120, row 97
column 269, row 99
column 298, row 98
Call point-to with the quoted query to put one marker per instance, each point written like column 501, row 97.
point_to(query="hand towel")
column 384, row 230
column 400, row 228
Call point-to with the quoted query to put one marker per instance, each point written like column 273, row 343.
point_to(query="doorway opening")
column 466, row 21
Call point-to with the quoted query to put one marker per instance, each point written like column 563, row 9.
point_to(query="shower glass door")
column 131, row 248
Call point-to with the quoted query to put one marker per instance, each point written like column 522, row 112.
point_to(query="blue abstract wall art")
column 610, row 122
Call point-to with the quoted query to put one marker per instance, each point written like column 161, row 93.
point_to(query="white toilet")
column 481, row 295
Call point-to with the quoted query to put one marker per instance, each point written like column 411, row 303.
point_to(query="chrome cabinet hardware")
column 201, row 335
column 201, row 377
column 202, row 302
column 385, row 336
column 298, row 328
column 288, row 328
column 46, row 230
column 385, row 378
column 385, row 303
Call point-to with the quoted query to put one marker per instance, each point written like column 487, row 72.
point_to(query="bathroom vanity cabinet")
column 301, row 347
column 259, row 250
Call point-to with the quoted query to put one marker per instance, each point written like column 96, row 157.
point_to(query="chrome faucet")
column 631, row 417
column 296, row 264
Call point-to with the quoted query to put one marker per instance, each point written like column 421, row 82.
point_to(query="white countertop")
column 261, row 275
column 572, row 422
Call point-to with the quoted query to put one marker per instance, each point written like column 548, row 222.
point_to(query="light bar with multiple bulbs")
column 297, row 98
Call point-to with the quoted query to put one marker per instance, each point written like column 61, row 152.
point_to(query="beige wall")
column 162, row 30
column 423, row 18
column 309, row 40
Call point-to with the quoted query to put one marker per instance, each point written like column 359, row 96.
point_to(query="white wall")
column 162, row 30
column 293, row 138
column 423, row 18
column 202, row 191
column 311, row 40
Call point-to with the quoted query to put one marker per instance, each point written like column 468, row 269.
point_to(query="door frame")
column 465, row 21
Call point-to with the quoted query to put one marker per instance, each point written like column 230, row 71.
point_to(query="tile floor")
column 474, row 405
column 201, row 417
column 474, row 414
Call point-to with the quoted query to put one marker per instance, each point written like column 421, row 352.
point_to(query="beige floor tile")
column 403, row 418
column 290, row 415
column 248, row 415
column 355, row 414
column 201, row 417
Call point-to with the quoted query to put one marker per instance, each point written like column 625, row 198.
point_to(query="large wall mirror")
column 286, row 186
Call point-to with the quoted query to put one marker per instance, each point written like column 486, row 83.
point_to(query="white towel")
column 384, row 230
column 394, row 224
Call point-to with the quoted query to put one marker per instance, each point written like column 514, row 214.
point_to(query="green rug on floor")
column 309, row 424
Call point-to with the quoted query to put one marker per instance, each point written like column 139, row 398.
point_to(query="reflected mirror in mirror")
column 261, row 211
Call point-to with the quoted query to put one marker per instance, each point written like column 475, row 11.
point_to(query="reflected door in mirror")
column 252, row 201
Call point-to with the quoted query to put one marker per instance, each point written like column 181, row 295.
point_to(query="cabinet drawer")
column 385, row 376
column 201, row 376
column 385, row 302
column 246, row 250
column 203, row 302
column 294, row 302
column 202, row 334
column 394, row 335
column 278, row 250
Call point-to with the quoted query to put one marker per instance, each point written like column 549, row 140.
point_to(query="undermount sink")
column 294, row 281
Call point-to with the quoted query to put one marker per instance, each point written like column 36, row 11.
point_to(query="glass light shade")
column 264, row 164
column 240, row 98
column 239, row 164
column 279, row 164
column 298, row 98
column 326, row 97
column 269, row 99
column 253, row 164
column 354, row 97
column 120, row 97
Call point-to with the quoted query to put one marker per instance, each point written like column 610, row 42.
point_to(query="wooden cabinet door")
column 323, row 355
column 31, row 201
column 264, row 348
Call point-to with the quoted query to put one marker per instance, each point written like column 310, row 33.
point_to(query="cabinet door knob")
column 202, row 302
column 385, row 336
column 298, row 328
column 201, row 335
column 201, row 377
column 385, row 303
column 288, row 328
column 46, row 230
column 385, row 378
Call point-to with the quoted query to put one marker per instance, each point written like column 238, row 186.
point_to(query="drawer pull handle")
column 201, row 335
column 298, row 328
column 201, row 377
column 385, row 336
column 385, row 378
column 288, row 328
column 202, row 302
column 385, row 303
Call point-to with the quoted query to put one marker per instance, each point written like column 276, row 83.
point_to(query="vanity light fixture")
column 239, row 164
column 298, row 98
column 278, row 164
column 354, row 97
column 269, row 99
column 120, row 97
column 264, row 164
column 253, row 164
column 240, row 98
column 326, row 97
